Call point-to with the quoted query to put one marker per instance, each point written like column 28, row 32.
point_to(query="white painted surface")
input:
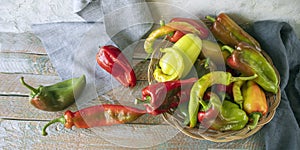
column 17, row 15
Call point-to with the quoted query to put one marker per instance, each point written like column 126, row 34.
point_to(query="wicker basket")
column 213, row 135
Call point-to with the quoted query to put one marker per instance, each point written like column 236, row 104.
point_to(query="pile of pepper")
column 221, row 98
column 228, row 92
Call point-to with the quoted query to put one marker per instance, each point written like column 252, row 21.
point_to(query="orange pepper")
column 255, row 102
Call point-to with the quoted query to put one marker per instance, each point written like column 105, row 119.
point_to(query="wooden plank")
column 26, row 63
column 10, row 83
column 25, row 42
column 27, row 135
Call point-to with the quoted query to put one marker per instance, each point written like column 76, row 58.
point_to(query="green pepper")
column 199, row 88
column 178, row 60
column 249, row 61
column 55, row 97
column 237, row 93
column 230, row 118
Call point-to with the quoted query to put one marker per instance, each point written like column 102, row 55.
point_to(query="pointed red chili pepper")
column 111, row 59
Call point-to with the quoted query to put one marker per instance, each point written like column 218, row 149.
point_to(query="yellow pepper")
column 178, row 60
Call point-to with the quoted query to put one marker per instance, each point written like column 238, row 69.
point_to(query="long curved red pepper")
column 111, row 59
column 99, row 115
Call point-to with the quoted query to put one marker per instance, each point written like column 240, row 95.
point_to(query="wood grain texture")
column 26, row 63
column 25, row 42
column 27, row 135
column 11, row 85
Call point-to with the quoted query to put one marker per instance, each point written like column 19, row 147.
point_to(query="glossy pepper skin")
column 174, row 30
column 230, row 118
column 96, row 116
column 202, row 84
column 162, row 96
column 249, row 61
column 55, row 97
column 255, row 102
column 178, row 60
column 111, row 59
column 230, row 33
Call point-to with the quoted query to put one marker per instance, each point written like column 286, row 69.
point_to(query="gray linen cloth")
column 279, row 40
column 62, row 40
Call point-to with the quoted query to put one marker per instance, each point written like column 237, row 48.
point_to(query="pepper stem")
column 204, row 105
column 255, row 116
column 34, row 90
column 60, row 119
column 162, row 22
column 234, row 79
column 210, row 18
column 142, row 101
column 206, row 63
column 227, row 48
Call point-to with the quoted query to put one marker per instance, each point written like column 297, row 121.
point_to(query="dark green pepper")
column 230, row 118
column 200, row 87
column 55, row 97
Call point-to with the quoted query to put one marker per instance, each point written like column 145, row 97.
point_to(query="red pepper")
column 210, row 110
column 176, row 36
column 247, row 60
column 111, row 59
column 99, row 115
column 162, row 96
column 228, row 32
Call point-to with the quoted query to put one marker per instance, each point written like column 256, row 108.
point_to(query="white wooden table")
column 22, row 54
column 21, row 123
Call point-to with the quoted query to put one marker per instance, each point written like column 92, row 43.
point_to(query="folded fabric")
column 279, row 40
column 72, row 46
column 79, row 5
column 89, row 10
column 62, row 39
